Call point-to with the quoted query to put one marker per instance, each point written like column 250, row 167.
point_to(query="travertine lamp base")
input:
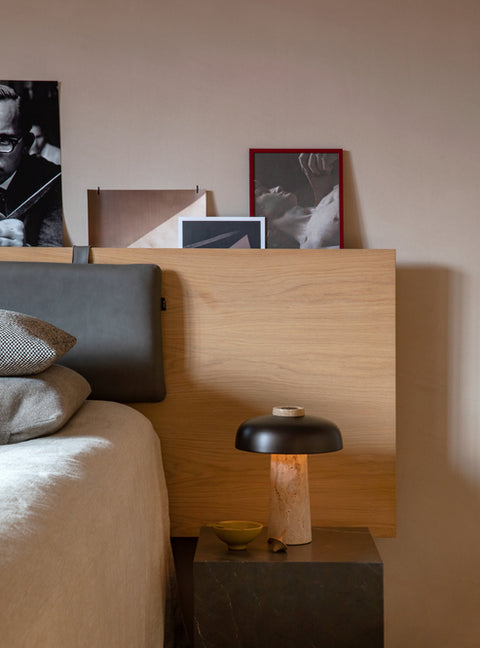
column 289, row 517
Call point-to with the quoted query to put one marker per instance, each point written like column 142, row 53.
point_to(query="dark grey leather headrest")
column 113, row 311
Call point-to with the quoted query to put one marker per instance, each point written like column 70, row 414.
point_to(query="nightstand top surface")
column 329, row 545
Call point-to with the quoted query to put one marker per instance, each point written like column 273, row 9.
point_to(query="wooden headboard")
column 245, row 330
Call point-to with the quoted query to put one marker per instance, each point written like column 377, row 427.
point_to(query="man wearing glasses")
column 30, row 187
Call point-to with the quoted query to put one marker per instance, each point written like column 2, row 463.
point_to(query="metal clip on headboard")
column 80, row 254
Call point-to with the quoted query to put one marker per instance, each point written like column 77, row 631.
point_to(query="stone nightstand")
column 328, row 593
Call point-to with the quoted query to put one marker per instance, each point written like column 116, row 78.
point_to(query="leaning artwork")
column 300, row 194
column 30, row 167
column 141, row 218
column 240, row 232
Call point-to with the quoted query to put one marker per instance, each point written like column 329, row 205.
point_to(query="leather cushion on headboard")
column 113, row 311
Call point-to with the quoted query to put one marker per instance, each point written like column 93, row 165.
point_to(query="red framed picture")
column 300, row 194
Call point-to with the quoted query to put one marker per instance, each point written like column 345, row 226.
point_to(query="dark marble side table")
column 328, row 593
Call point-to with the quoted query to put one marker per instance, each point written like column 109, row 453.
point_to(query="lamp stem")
column 289, row 517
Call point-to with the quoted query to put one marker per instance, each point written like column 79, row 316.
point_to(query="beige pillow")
column 29, row 345
column 37, row 405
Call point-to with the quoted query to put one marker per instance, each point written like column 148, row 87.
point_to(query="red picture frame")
column 300, row 193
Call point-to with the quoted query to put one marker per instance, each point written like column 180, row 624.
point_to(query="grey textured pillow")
column 29, row 345
column 37, row 405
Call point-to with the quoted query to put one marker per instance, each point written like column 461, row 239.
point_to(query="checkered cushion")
column 29, row 345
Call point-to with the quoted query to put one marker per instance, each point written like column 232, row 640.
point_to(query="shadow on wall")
column 432, row 592
column 352, row 230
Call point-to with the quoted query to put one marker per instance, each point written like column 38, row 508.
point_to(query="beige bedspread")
column 85, row 557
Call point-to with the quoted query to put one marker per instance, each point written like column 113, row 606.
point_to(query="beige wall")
column 173, row 94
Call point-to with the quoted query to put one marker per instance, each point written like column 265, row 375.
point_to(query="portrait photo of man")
column 30, row 171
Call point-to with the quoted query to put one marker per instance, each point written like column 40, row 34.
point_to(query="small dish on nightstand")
column 237, row 533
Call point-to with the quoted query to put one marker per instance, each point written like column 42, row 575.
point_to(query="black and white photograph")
column 242, row 232
column 300, row 194
column 31, row 211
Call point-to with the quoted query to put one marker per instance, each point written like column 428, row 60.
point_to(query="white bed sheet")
column 85, row 556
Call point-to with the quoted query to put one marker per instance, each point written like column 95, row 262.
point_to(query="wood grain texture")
column 246, row 330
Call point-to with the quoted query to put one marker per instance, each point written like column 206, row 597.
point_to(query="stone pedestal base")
column 328, row 593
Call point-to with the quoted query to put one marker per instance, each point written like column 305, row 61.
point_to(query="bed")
column 85, row 554
column 242, row 331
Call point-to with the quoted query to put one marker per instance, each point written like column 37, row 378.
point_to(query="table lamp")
column 289, row 436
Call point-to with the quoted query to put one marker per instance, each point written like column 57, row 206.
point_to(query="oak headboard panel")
column 248, row 329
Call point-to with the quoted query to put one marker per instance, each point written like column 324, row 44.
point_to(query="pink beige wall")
column 158, row 94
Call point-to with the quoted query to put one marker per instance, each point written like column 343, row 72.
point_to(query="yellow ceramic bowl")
column 237, row 533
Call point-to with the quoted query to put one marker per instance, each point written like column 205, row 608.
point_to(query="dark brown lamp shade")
column 288, row 435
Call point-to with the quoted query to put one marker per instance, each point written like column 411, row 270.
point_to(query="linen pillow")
column 37, row 405
column 29, row 345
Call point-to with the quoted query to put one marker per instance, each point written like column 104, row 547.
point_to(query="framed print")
column 215, row 232
column 31, row 210
column 300, row 194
